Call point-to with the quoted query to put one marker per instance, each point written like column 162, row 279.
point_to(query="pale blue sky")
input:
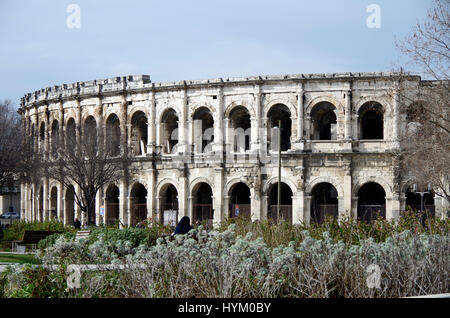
column 195, row 39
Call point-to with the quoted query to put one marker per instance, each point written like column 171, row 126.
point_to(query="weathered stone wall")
column 347, row 162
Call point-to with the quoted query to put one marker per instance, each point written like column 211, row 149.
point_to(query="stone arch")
column 195, row 107
column 310, row 186
column 239, row 128
column 164, row 108
column 329, row 99
column 194, row 183
column 274, row 180
column 138, row 203
column 387, row 188
column 371, row 121
column 112, row 201
column 168, row 197
column 169, row 121
column 203, row 132
column 239, row 195
column 237, row 103
column 131, row 111
column 138, row 132
column 165, row 182
column 113, row 134
column 382, row 100
column 233, row 181
column 69, row 208
column 283, row 101
column 279, row 112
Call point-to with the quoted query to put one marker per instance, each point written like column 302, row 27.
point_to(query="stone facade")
column 339, row 134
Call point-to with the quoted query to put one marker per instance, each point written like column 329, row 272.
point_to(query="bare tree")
column 426, row 138
column 10, row 142
column 85, row 163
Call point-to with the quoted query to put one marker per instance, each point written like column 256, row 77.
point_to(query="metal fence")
column 241, row 210
column 285, row 213
column 320, row 212
column 370, row 213
column 203, row 212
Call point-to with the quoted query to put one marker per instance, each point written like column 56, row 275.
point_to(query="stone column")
column 123, row 125
column 151, row 194
column 299, row 145
column 255, row 143
column 23, row 194
column 297, row 207
column 264, row 204
column 60, row 202
column 395, row 124
column 393, row 207
column 183, row 209
column 218, row 125
column 218, row 196
column 79, row 125
column 255, row 201
column 123, row 202
column 62, row 127
column 355, row 208
column 348, row 111
column 101, row 131
column 191, row 208
column 307, row 209
column 99, row 199
column 151, row 124
column 46, row 203
column 347, row 196
column 182, row 124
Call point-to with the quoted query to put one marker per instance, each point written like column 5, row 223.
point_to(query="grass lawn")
column 18, row 258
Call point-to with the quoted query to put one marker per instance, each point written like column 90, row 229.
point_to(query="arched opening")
column 240, row 124
column 169, row 205
column 41, row 143
column 90, row 136
column 371, row 121
column 169, row 131
column 371, row 202
column 112, row 205
column 285, row 203
column 113, row 135
column 277, row 113
column 33, row 139
column 55, row 138
column 41, row 203
column 69, row 216
column 415, row 202
column 54, row 203
column 139, row 132
column 203, row 130
column 42, row 132
column 324, row 202
column 138, row 197
column 203, row 210
column 70, row 134
column 323, row 117
column 240, row 204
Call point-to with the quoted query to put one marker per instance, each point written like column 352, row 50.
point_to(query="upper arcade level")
column 319, row 113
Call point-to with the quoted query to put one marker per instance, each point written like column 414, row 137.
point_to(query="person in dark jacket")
column 183, row 226
column 77, row 224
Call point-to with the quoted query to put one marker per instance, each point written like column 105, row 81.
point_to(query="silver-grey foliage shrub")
column 226, row 265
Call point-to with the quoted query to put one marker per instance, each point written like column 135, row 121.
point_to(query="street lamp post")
column 422, row 193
